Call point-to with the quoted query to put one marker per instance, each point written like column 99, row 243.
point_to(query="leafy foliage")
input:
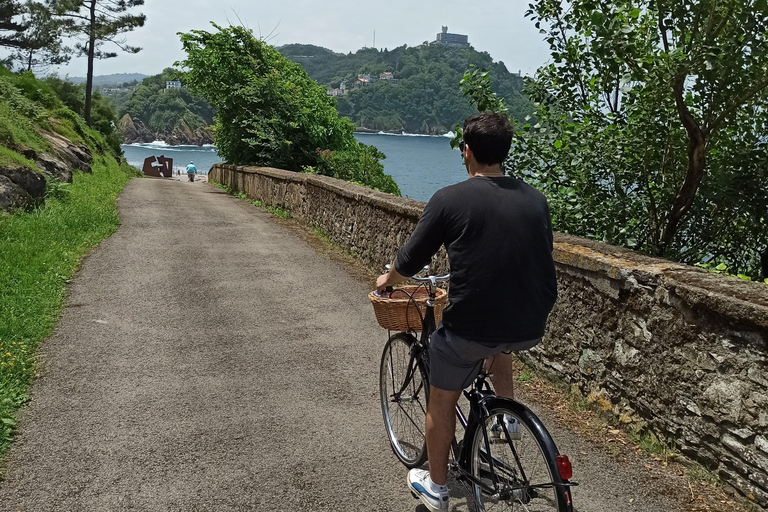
column 424, row 99
column 103, row 112
column 268, row 111
column 27, row 103
column 651, row 127
column 360, row 165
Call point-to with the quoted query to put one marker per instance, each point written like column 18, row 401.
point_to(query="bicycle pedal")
column 413, row 493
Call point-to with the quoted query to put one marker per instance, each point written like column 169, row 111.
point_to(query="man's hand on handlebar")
column 391, row 278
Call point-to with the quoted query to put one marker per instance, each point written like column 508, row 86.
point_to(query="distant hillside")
column 152, row 112
column 109, row 80
column 421, row 91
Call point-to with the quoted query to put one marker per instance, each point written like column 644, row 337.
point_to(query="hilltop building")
column 173, row 84
column 455, row 40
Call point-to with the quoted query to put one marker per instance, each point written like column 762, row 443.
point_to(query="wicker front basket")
column 399, row 313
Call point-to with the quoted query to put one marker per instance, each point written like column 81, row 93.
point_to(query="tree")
column 96, row 22
column 651, row 127
column 268, row 110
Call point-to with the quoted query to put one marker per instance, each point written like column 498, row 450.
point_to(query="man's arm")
column 419, row 249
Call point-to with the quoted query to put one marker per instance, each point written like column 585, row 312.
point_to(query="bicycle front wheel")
column 403, row 394
column 522, row 471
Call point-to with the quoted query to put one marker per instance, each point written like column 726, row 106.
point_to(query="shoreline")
column 365, row 131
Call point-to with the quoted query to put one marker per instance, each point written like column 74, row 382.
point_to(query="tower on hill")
column 456, row 40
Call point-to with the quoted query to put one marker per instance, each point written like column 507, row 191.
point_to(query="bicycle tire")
column 537, row 455
column 404, row 416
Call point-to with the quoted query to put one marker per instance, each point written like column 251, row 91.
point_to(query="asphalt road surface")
column 208, row 358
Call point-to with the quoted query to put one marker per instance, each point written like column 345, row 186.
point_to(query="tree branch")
column 740, row 101
column 663, row 31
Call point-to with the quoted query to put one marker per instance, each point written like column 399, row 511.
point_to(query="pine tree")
column 96, row 22
column 43, row 45
column 12, row 27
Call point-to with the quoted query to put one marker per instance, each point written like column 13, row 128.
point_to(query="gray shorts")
column 454, row 362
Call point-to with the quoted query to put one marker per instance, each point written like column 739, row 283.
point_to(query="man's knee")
column 442, row 400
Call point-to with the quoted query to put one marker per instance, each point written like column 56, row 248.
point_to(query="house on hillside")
column 388, row 77
column 173, row 84
column 365, row 79
column 455, row 40
column 335, row 92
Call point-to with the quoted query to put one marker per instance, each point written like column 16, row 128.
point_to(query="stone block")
column 761, row 442
column 725, row 395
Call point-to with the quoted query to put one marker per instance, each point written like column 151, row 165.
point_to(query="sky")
column 495, row 26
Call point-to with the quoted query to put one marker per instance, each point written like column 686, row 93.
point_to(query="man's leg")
column 500, row 366
column 441, row 425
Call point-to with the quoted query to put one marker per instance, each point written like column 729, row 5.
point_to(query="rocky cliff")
column 23, row 186
column 134, row 131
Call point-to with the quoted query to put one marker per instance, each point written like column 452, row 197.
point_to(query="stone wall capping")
column 734, row 298
column 668, row 347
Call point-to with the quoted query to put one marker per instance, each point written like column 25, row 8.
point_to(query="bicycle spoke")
column 525, row 479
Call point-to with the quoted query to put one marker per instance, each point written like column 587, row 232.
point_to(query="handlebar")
column 432, row 280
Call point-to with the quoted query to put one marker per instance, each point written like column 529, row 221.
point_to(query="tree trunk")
column 687, row 192
column 91, row 53
column 697, row 144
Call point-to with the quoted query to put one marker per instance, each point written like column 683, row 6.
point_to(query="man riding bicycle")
column 497, row 232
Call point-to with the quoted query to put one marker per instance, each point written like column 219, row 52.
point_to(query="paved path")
column 209, row 359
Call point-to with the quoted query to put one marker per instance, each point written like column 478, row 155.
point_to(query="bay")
column 203, row 156
column 419, row 164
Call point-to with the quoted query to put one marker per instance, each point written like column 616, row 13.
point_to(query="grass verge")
column 39, row 253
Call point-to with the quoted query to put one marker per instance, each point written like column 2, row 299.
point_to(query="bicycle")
column 505, row 473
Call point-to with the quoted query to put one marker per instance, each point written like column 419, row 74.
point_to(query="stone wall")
column 669, row 346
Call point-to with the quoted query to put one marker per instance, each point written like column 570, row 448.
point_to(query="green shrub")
column 359, row 164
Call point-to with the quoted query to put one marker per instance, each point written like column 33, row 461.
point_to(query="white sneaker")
column 418, row 482
column 513, row 427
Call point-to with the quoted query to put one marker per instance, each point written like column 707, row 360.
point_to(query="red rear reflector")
column 564, row 466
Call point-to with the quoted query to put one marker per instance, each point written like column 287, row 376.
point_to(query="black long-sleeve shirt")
column 498, row 235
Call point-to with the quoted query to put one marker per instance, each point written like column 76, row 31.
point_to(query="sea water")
column 419, row 164
column 203, row 156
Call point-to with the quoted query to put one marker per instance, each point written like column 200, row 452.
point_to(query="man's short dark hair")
column 489, row 136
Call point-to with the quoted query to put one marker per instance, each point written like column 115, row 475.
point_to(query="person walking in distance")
column 191, row 171
column 497, row 231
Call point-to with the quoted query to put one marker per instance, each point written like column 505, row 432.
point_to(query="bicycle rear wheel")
column 525, row 469
column 403, row 404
